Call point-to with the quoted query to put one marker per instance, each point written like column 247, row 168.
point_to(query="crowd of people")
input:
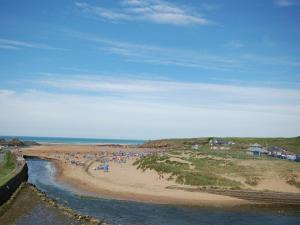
column 120, row 157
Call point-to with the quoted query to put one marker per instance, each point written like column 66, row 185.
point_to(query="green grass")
column 219, row 168
column 205, row 179
column 228, row 154
column 253, row 181
column 293, row 182
column 160, row 164
column 7, row 167
column 204, row 172
column 291, row 144
column 176, row 143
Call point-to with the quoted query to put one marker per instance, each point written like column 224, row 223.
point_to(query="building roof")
column 256, row 149
column 219, row 141
column 274, row 148
column 255, row 145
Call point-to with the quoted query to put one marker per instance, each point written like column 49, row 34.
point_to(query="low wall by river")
column 7, row 189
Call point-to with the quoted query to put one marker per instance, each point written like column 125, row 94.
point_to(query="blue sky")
column 150, row 69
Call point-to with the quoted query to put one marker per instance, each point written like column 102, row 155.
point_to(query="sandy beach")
column 78, row 166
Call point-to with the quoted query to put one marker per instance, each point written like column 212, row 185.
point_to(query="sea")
column 71, row 140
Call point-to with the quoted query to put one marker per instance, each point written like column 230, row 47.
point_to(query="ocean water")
column 136, row 213
column 63, row 140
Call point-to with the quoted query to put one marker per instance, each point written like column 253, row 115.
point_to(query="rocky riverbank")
column 30, row 206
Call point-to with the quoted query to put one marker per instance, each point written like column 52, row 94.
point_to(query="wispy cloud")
column 157, row 11
column 171, row 92
column 152, row 54
column 286, row 3
column 135, row 108
column 16, row 45
column 5, row 92
column 158, row 55
column 9, row 47
column 102, row 12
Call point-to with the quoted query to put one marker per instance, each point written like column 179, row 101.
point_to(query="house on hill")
column 275, row 151
column 255, row 145
column 219, row 144
column 256, row 149
column 281, row 153
column 291, row 157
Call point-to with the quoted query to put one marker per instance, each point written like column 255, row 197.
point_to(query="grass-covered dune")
column 230, row 169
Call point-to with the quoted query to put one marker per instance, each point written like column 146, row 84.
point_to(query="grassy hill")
column 233, row 169
column 291, row 144
column 175, row 143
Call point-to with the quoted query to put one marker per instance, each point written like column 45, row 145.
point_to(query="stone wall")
column 7, row 189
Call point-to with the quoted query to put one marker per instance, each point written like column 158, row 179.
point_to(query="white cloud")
column 102, row 12
column 15, row 45
column 5, row 92
column 94, row 84
column 65, row 114
column 156, row 11
column 10, row 47
column 286, row 3
column 128, row 107
column 127, row 84
column 168, row 92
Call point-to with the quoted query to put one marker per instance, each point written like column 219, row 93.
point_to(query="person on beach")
column 160, row 176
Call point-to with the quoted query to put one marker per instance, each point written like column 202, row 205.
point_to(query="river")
column 136, row 213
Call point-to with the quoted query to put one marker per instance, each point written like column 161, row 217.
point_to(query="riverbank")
column 28, row 205
column 14, row 177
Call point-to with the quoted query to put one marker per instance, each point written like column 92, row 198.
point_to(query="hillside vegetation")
column 291, row 144
column 229, row 169
column 7, row 166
